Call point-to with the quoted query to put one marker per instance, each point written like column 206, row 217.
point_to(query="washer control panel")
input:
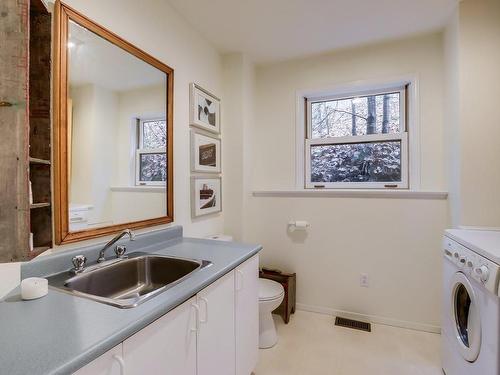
column 472, row 264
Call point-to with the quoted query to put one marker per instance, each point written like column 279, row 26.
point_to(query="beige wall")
column 479, row 133
column 93, row 150
column 10, row 277
column 395, row 241
column 452, row 108
column 276, row 90
column 146, row 205
column 238, row 117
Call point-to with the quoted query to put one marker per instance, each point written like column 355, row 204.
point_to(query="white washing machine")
column 471, row 305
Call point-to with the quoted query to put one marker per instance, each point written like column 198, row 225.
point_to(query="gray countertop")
column 60, row 333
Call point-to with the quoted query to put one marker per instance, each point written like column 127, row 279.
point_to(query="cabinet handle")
column 205, row 302
column 120, row 361
column 197, row 317
column 239, row 280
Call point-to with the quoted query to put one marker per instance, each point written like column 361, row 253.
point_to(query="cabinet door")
column 216, row 330
column 110, row 363
column 166, row 346
column 247, row 316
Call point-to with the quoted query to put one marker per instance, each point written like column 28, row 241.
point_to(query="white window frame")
column 140, row 150
column 409, row 138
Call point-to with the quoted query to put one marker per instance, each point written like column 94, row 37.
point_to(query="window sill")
column 352, row 193
column 138, row 189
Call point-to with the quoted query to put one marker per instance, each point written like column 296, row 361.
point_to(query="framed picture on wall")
column 204, row 110
column 205, row 195
column 205, row 153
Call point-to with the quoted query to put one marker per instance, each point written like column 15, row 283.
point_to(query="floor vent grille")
column 354, row 324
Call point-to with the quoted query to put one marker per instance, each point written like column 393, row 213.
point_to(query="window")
column 357, row 140
column 151, row 156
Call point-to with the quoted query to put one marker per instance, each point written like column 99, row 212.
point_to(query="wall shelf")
column 39, row 205
column 39, row 161
column 352, row 193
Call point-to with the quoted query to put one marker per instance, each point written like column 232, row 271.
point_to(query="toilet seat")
column 270, row 290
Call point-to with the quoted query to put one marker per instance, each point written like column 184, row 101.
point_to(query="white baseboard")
column 370, row 318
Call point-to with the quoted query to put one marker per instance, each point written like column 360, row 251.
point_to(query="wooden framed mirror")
column 113, row 132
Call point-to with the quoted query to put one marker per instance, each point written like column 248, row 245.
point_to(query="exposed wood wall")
column 25, row 93
column 14, row 130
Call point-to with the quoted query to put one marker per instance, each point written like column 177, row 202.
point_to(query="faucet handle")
column 120, row 251
column 79, row 263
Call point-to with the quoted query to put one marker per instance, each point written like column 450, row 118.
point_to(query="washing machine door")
column 466, row 317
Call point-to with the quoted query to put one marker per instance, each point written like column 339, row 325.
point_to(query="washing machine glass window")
column 462, row 309
column 466, row 317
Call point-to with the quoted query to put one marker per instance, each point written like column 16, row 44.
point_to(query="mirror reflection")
column 117, row 136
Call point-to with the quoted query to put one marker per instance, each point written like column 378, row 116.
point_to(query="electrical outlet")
column 363, row 280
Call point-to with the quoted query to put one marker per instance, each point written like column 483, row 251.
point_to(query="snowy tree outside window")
column 151, row 157
column 358, row 140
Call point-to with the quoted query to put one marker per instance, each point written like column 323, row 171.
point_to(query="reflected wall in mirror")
column 113, row 132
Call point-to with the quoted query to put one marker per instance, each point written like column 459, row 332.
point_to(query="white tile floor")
column 311, row 344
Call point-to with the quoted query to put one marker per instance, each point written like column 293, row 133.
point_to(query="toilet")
column 271, row 295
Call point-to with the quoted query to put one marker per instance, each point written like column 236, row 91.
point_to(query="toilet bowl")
column 271, row 295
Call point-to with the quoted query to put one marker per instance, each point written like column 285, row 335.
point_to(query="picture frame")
column 206, row 195
column 204, row 109
column 205, row 153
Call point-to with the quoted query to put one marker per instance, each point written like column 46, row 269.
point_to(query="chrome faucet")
column 79, row 262
column 120, row 250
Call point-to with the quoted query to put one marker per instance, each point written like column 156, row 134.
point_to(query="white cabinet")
column 110, row 363
column 246, row 278
column 214, row 332
column 216, row 343
column 166, row 346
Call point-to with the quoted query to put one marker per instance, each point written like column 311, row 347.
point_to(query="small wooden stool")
column 288, row 280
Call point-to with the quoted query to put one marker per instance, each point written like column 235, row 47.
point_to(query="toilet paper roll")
column 298, row 225
column 34, row 287
column 301, row 224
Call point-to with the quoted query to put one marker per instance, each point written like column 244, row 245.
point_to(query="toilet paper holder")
column 298, row 225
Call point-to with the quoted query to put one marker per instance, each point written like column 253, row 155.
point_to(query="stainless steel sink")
column 128, row 282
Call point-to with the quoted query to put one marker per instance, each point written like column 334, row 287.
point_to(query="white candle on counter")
column 34, row 287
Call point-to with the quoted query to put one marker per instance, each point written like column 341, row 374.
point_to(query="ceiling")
column 271, row 30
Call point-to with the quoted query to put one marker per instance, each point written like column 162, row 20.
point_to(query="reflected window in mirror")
column 151, row 157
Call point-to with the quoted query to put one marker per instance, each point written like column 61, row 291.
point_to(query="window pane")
column 153, row 167
column 356, row 162
column 373, row 114
column 154, row 134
